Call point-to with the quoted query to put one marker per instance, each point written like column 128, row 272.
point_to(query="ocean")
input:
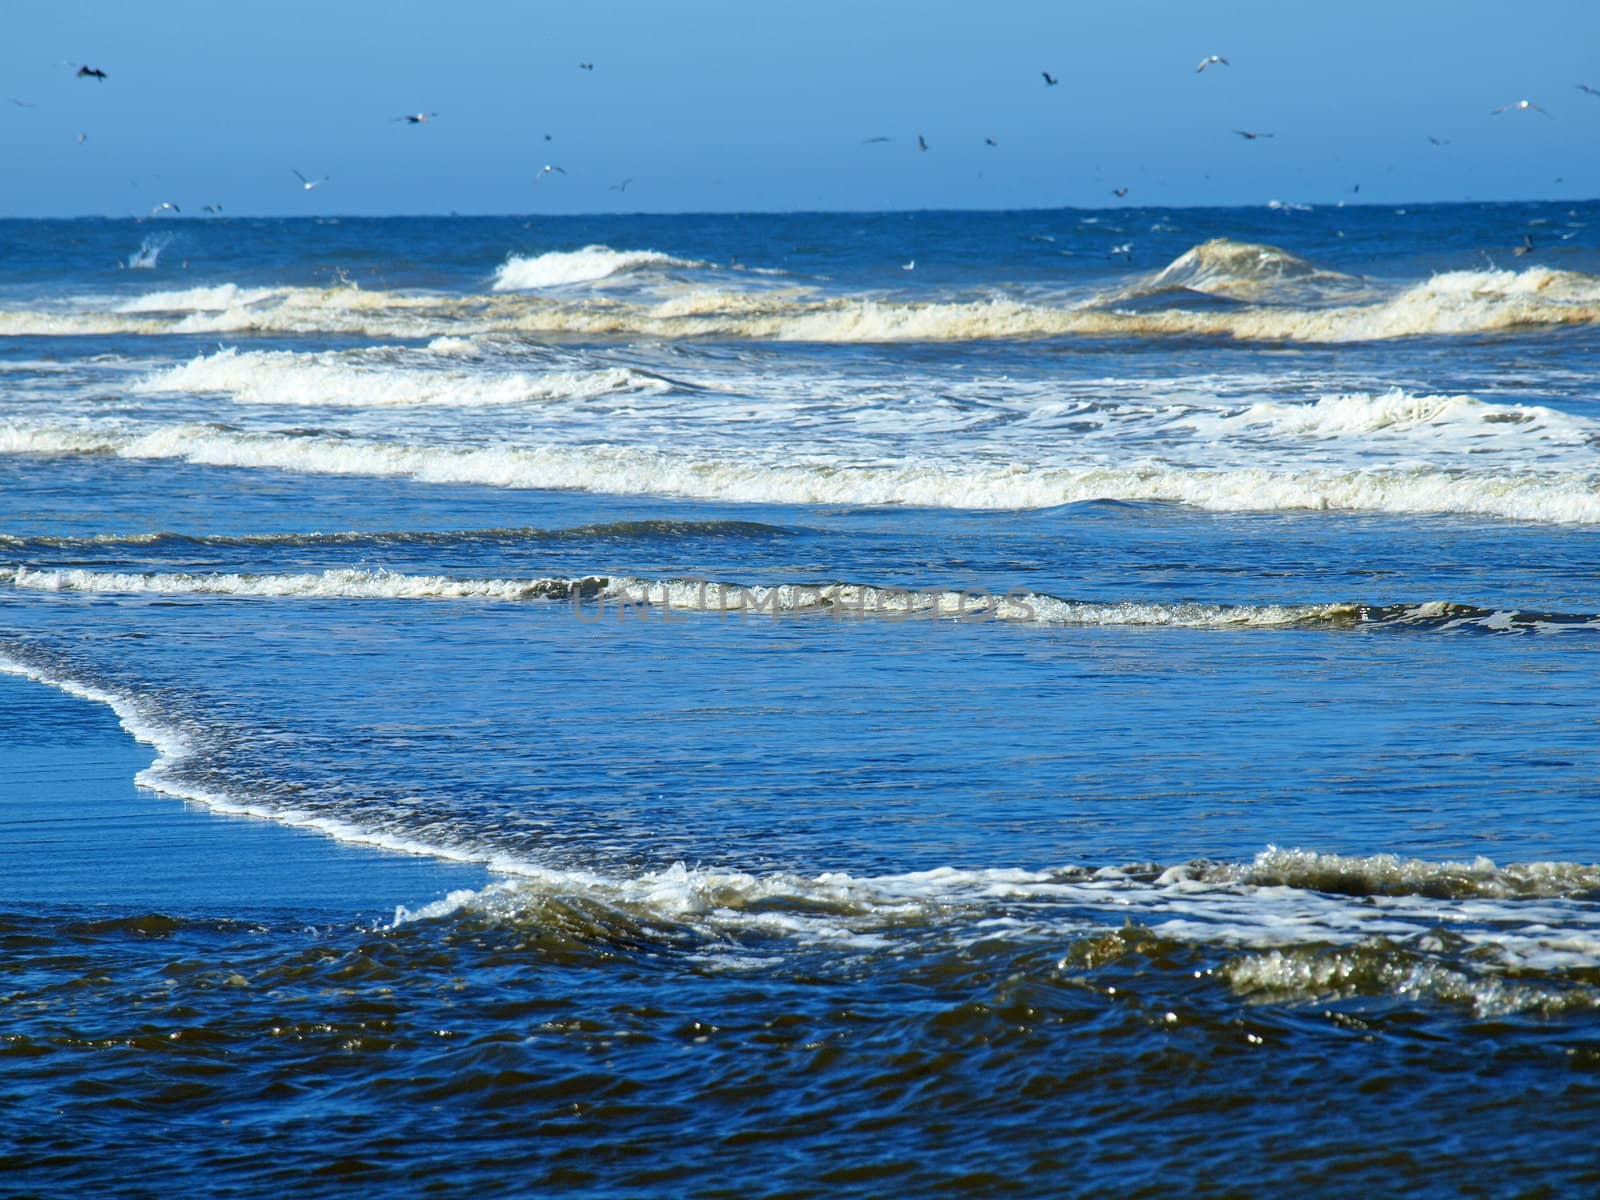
column 972, row 703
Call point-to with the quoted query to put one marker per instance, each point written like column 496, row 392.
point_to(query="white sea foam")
column 284, row 377
column 557, row 267
column 1569, row 497
column 624, row 594
column 200, row 299
column 687, row 595
column 1461, row 419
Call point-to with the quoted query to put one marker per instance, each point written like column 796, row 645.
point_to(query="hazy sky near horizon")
column 735, row 105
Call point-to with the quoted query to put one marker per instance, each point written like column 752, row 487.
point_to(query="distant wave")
column 834, row 599
column 1275, row 297
column 200, row 299
column 284, row 377
column 557, row 267
column 1570, row 497
column 1247, row 271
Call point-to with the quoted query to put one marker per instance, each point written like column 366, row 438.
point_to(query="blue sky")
column 757, row 106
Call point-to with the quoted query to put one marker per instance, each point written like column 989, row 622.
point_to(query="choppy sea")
column 1036, row 703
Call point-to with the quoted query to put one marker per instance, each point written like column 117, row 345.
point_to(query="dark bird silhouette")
column 1582, row 87
column 988, row 141
column 921, row 142
column 1119, row 193
column 1526, row 247
column 585, row 66
column 870, row 140
column 91, row 73
column 212, row 208
column 617, row 187
column 22, row 103
column 416, row 118
column 1438, row 141
column 1049, row 79
column 1250, row 137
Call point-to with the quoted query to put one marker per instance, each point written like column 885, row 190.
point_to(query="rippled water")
column 1063, row 718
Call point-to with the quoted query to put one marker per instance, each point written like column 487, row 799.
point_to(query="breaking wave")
column 837, row 599
column 284, row 377
column 1570, row 498
column 557, row 267
column 1278, row 297
column 1247, row 271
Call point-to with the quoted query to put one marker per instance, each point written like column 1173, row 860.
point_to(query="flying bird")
column 1049, row 79
column 212, row 208
column 1250, row 137
column 416, row 118
column 548, row 168
column 25, row 104
column 1209, row 59
column 82, row 138
column 90, row 73
column 910, row 266
column 1438, row 141
column 585, row 66
column 615, row 187
column 165, row 206
column 308, row 184
column 870, row 140
column 1119, row 193
column 1526, row 247
column 1519, row 106
column 1582, row 87
column 989, row 141
column 921, row 142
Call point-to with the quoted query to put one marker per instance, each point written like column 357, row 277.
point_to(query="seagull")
column 1250, row 137
column 165, row 206
column 91, row 73
column 416, row 118
column 25, row 104
column 1049, row 79
column 870, row 140
column 1126, row 250
column 212, row 208
column 548, row 167
column 585, row 66
column 1526, row 247
column 1209, row 59
column 1438, row 141
column 989, row 141
column 82, row 138
column 308, row 184
column 1119, row 193
column 1582, row 87
column 1520, row 106
column 615, row 187
column 910, row 266
column 921, row 142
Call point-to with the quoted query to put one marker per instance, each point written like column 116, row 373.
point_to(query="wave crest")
column 557, row 267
